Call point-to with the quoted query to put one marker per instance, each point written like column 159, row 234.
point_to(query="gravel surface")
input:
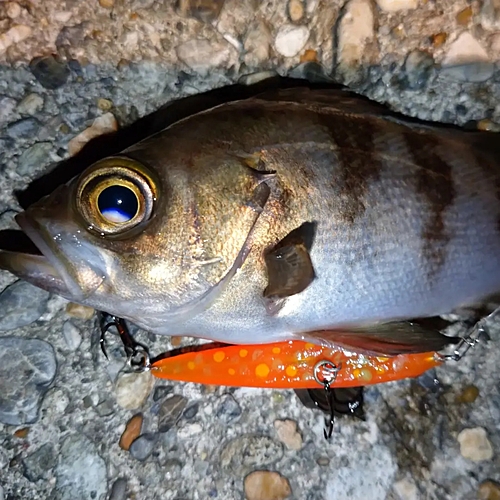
column 73, row 70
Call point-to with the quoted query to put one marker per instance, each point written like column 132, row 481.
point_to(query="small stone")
column 105, row 408
column 132, row 389
column 143, row 446
column 464, row 16
column 323, row 461
column 40, row 462
column 309, row 56
column 206, row 11
column 119, row 489
column 50, row 72
column 26, row 128
column 63, row 16
column 13, row 10
column 88, row 402
column 162, row 391
column 16, row 34
column 288, row 434
column 7, row 107
column 34, row 157
column 257, row 77
column 248, row 452
column 21, row 304
column 102, row 125
column 81, row 471
column 291, row 39
column 107, row 4
column 439, row 39
column 418, row 69
column 22, row 433
column 487, row 126
column 406, row 489
column 189, row 430
column 355, row 31
column 470, row 392
column 131, row 432
column 79, row 311
column 201, row 55
column 228, row 409
column 488, row 490
column 104, row 104
column 474, row 444
column 72, row 335
column 170, row 412
column 266, row 485
column 467, row 60
column 191, row 411
column 295, row 10
column 30, row 105
column 397, row 5
column 257, row 44
column 490, row 15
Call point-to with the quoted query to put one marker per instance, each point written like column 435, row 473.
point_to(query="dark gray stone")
column 50, row 72
column 40, row 462
column 34, row 157
column 418, row 68
column 170, row 411
column 162, row 391
column 119, row 489
column 228, row 409
column 21, row 304
column 191, row 411
column 27, row 369
column 81, row 471
column 143, row 446
column 26, row 128
column 105, row 408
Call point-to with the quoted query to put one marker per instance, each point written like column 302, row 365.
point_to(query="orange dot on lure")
column 287, row 365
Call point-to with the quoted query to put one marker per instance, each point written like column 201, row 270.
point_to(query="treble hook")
column 325, row 373
column 137, row 354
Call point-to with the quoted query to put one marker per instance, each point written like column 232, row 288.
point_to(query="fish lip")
column 36, row 233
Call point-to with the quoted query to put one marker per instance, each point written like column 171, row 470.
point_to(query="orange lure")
column 287, row 365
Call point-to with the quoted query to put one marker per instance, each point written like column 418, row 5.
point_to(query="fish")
column 293, row 364
column 300, row 214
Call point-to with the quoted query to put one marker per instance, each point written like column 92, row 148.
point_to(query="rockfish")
column 302, row 214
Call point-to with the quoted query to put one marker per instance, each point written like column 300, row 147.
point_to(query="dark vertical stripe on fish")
column 434, row 182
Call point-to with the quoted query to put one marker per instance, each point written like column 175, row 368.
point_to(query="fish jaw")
column 68, row 266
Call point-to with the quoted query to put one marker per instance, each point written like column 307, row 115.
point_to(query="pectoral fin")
column 289, row 266
column 387, row 339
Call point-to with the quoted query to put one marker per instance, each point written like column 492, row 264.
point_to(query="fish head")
column 146, row 236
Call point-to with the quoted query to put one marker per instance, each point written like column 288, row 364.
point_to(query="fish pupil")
column 118, row 204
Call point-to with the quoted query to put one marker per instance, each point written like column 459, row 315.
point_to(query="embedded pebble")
column 132, row 389
column 201, row 55
column 288, row 434
column 247, row 452
column 191, row 411
column 228, row 409
column 80, row 472
column 257, row 77
column 7, row 107
column 37, row 464
column 189, row 430
column 295, row 10
column 49, row 71
column 105, row 408
column 397, row 5
column 418, row 69
column 406, row 489
column 30, row 104
column 490, row 15
column 467, row 60
column 107, row 4
column 21, row 304
column 266, row 485
column 104, row 104
column 356, row 30
column 131, row 432
column 22, row 433
column 34, row 157
column 143, row 446
column 102, row 125
column 468, row 394
column 27, row 368
column 79, row 311
column 464, row 16
column 119, row 489
column 257, row 44
column 206, row 11
column 72, row 335
column 14, row 35
column 488, row 490
column 26, row 128
column 162, row 391
column 170, row 411
column 291, row 39
column 474, row 444
column 13, row 10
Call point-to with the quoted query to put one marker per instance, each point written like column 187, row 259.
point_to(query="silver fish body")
column 406, row 216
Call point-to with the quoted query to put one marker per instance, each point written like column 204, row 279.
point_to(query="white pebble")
column 189, row 430
column 72, row 336
column 395, row 5
column 290, row 39
column 132, row 389
column 474, row 444
column 406, row 489
column 13, row 10
column 63, row 16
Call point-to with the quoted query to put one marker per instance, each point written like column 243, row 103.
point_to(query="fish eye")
column 115, row 195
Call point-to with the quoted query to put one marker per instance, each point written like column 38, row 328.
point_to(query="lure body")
column 288, row 365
